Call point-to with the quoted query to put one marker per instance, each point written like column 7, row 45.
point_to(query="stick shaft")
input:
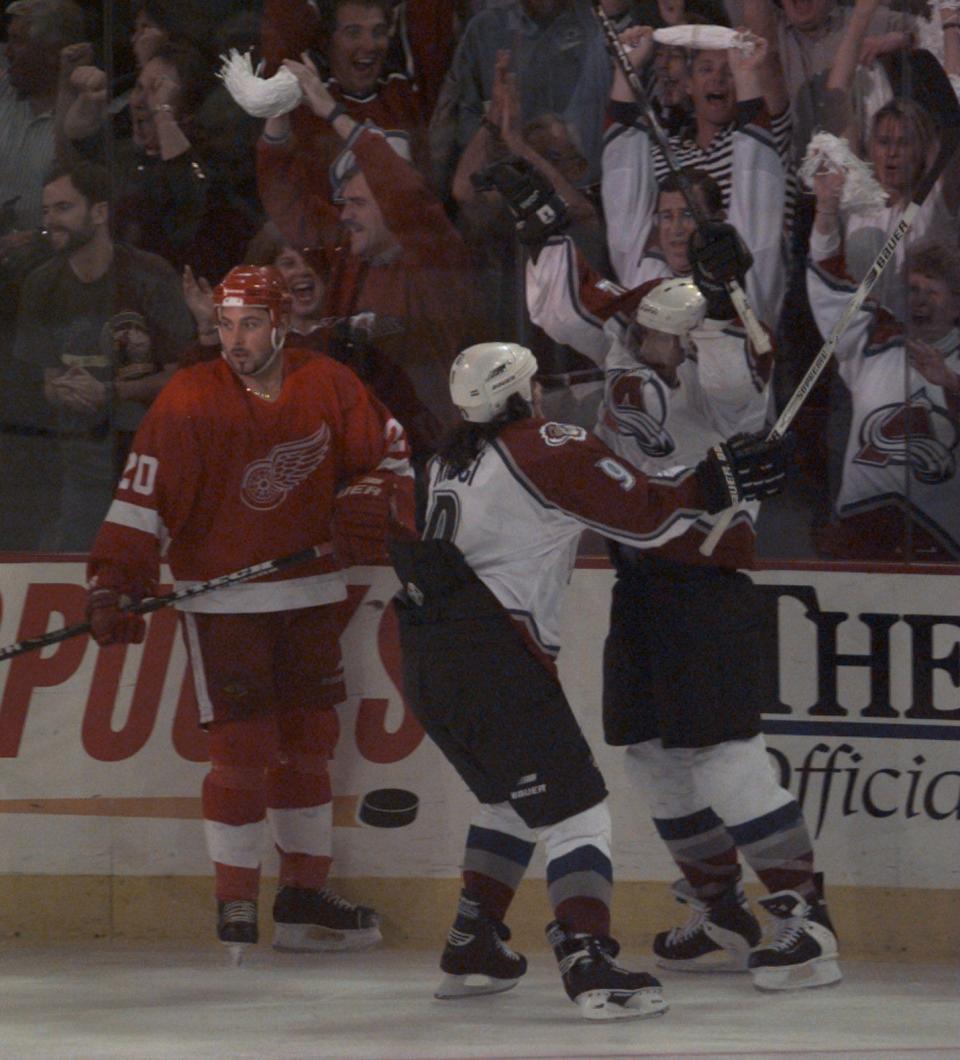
column 154, row 603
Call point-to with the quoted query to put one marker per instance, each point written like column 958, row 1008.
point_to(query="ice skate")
column 717, row 937
column 237, row 927
column 476, row 959
column 602, row 989
column 803, row 952
column 316, row 921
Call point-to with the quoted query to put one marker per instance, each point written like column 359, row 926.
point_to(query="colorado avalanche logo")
column 917, row 435
column 267, row 482
column 561, row 433
column 637, row 409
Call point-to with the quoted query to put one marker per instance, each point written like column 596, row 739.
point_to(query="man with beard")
column 74, row 327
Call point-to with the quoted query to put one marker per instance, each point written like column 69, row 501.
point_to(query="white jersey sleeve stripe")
column 136, row 517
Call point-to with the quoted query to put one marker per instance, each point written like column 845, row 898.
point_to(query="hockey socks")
column 703, row 851
column 494, row 861
column 778, row 848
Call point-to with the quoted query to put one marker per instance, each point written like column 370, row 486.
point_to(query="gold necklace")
column 266, row 396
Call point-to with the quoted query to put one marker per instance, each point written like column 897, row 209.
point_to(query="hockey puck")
column 389, row 808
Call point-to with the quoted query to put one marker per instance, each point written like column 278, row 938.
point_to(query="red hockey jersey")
column 218, row 479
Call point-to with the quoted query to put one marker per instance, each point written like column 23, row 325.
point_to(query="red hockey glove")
column 368, row 511
column 109, row 624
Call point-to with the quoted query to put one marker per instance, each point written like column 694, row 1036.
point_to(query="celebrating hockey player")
column 509, row 494
column 243, row 459
column 685, row 694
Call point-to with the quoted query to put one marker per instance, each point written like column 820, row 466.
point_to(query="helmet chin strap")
column 277, row 335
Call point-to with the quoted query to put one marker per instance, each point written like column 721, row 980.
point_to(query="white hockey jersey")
column 904, row 436
column 757, row 191
column 517, row 511
column 866, row 231
column 722, row 388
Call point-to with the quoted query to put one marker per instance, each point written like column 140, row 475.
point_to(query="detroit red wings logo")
column 636, row 408
column 267, row 482
column 918, row 435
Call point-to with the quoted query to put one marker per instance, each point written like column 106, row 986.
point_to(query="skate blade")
column 824, row 972
column 456, row 986
column 236, row 952
column 622, row 1005
column 311, row 938
column 721, row 962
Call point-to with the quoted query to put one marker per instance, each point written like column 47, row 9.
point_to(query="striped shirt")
column 717, row 159
column 26, row 153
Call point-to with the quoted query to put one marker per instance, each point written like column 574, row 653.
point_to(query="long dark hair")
column 459, row 447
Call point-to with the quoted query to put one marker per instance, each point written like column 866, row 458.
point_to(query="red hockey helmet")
column 261, row 286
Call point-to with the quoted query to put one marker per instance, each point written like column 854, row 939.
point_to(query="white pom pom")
column 262, row 98
column 829, row 153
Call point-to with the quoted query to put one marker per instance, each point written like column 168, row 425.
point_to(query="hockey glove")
column 746, row 467
column 366, row 513
column 718, row 255
column 538, row 211
column 109, row 623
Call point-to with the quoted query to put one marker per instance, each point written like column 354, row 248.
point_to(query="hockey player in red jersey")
column 265, row 451
column 509, row 494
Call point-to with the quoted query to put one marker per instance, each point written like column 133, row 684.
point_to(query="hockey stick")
column 950, row 138
column 154, row 603
column 754, row 329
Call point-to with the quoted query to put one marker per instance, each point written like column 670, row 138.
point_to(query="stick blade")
column 919, row 75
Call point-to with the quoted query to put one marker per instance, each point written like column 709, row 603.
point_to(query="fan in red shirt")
column 350, row 40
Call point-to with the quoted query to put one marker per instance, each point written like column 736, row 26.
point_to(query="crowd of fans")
column 132, row 180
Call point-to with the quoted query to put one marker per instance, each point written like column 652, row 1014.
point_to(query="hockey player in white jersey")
column 684, row 695
column 509, row 494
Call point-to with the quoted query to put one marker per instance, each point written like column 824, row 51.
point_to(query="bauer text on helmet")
column 483, row 377
column 675, row 306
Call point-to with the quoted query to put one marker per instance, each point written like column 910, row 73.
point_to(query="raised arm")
column 629, row 184
column 758, row 185
column 568, row 299
column 839, row 115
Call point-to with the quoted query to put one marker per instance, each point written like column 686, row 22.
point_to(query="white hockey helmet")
column 674, row 306
column 484, row 376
